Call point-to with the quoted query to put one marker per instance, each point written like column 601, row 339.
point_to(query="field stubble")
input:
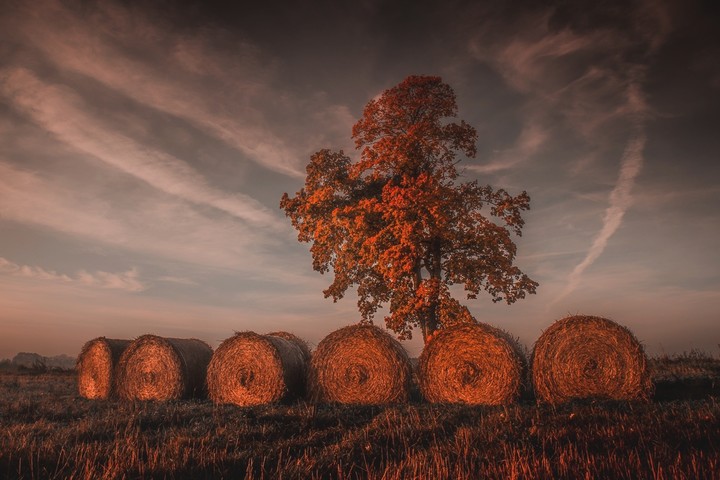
column 47, row 431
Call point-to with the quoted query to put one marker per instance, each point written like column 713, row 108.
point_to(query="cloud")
column 635, row 111
column 127, row 281
column 61, row 112
column 211, row 78
column 124, row 281
column 581, row 72
column 28, row 198
column 524, row 61
column 578, row 77
column 157, row 226
column 148, row 222
column 528, row 143
column 620, row 201
column 177, row 280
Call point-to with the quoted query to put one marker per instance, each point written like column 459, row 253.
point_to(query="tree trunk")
column 431, row 324
column 434, row 266
column 426, row 332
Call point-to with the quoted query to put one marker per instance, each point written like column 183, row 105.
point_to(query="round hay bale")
column 589, row 357
column 359, row 364
column 473, row 364
column 251, row 369
column 157, row 368
column 297, row 341
column 96, row 366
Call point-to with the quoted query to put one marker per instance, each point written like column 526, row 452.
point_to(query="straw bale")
column 359, row 364
column 302, row 344
column 157, row 368
column 589, row 357
column 251, row 369
column 472, row 364
column 96, row 367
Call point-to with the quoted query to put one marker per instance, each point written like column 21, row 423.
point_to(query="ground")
column 48, row 431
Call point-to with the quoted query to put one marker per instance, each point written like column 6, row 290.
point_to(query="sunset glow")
column 144, row 153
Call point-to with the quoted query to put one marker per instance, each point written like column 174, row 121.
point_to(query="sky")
column 145, row 146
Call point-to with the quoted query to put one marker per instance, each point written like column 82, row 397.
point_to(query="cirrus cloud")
column 128, row 281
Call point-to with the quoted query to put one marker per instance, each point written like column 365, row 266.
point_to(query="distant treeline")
column 36, row 362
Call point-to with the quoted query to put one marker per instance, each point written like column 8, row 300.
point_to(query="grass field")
column 47, row 431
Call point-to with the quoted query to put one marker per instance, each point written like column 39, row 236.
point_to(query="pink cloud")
column 149, row 222
column 528, row 144
column 60, row 111
column 127, row 281
column 227, row 92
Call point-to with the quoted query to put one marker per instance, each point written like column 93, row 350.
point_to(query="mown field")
column 47, row 431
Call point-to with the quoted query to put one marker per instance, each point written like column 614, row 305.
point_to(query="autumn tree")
column 398, row 225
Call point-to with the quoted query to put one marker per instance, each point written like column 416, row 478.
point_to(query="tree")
column 398, row 225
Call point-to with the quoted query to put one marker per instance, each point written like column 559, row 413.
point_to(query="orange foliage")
column 397, row 225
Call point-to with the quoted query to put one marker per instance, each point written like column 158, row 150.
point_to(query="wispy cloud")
column 635, row 111
column 576, row 77
column 161, row 227
column 177, row 280
column 211, row 78
column 28, row 198
column 128, row 281
column 580, row 82
column 524, row 60
column 528, row 143
column 148, row 223
column 620, row 201
column 60, row 111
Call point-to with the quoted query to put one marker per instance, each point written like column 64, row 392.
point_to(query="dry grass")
column 589, row 357
column 48, row 432
column 359, row 364
column 251, row 369
column 96, row 366
column 157, row 368
column 472, row 364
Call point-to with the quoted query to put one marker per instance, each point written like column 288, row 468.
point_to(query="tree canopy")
column 397, row 223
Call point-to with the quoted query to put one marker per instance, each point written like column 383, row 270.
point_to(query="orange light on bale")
column 157, row 368
column 360, row 364
column 96, row 367
column 473, row 364
column 251, row 369
column 589, row 357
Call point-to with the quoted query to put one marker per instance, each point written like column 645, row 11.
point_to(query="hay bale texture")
column 589, row 357
column 302, row 344
column 96, row 367
column 359, row 364
column 472, row 364
column 157, row 368
column 251, row 369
